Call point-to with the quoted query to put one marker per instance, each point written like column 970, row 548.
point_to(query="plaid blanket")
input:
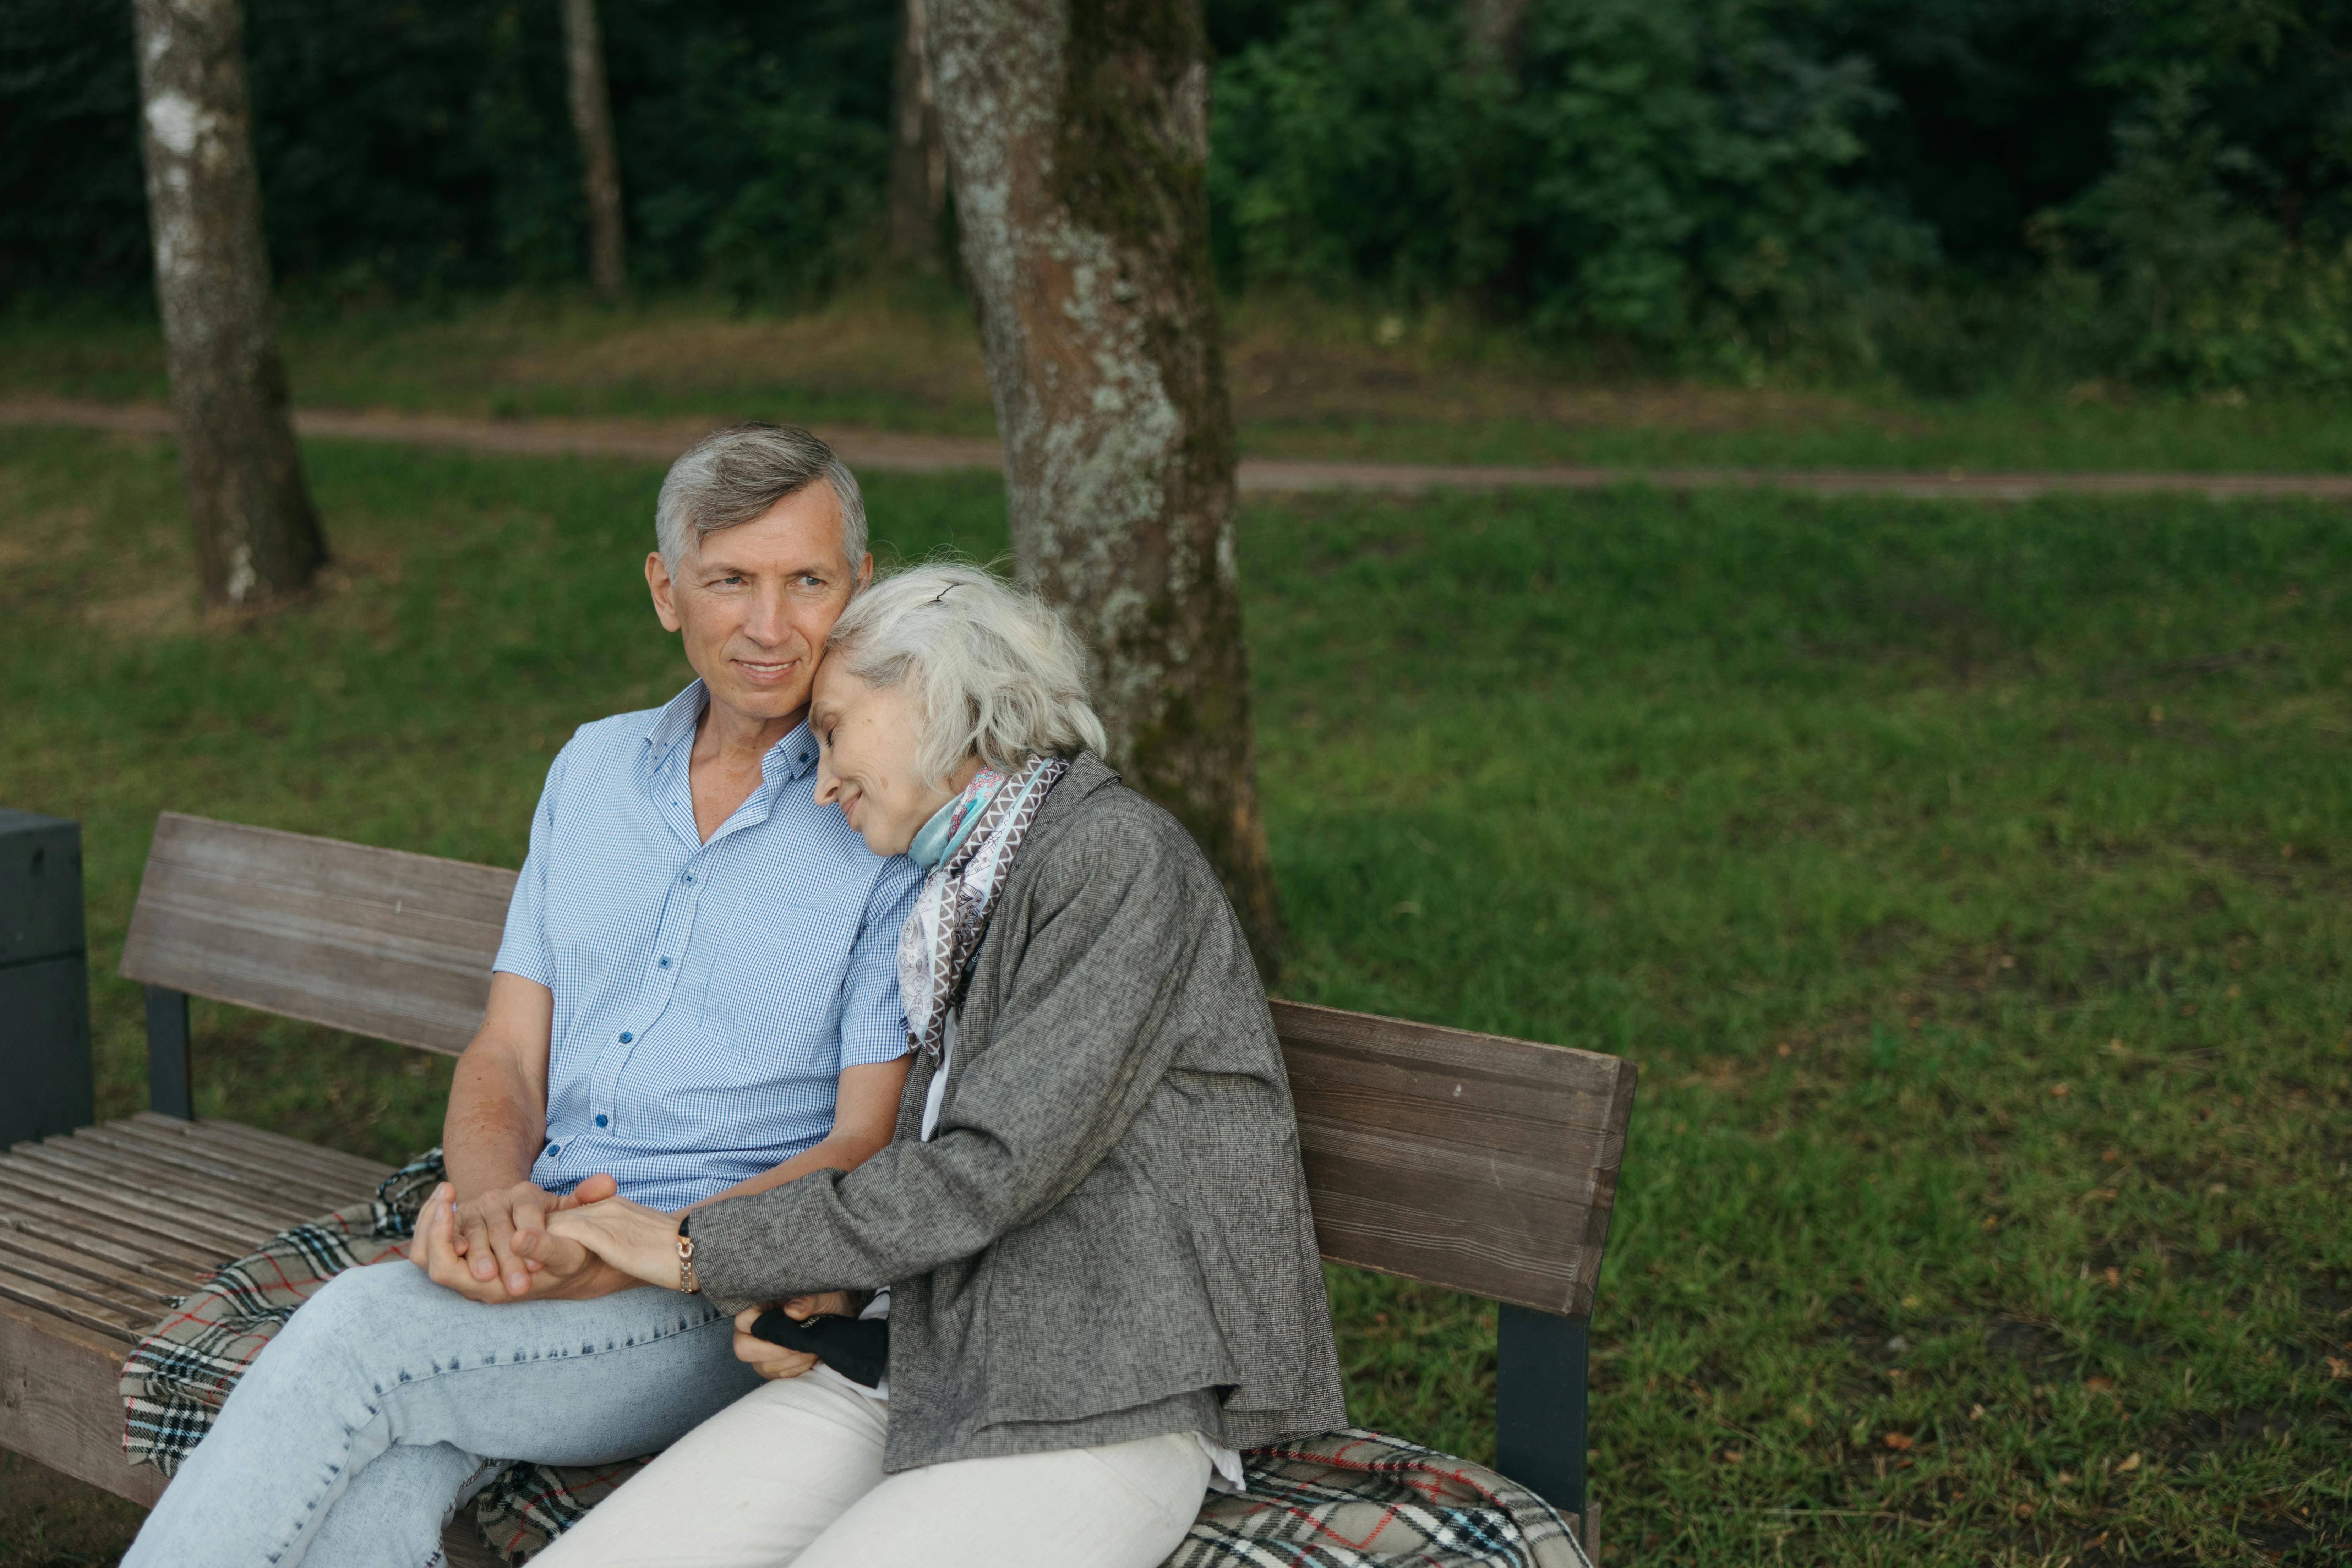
column 1341, row 1499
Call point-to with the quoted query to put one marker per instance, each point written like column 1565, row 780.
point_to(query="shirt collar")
column 789, row 758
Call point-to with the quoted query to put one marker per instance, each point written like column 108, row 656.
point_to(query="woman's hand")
column 772, row 1360
column 636, row 1240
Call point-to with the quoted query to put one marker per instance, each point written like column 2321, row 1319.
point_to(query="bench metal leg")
column 44, row 1072
column 170, row 1090
column 1539, row 1405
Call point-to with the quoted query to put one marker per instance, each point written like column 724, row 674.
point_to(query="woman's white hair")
column 994, row 671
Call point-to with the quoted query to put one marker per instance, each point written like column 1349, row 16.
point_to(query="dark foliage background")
column 412, row 147
column 1950, row 190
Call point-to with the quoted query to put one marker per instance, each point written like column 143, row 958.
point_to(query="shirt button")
column 555, row 1148
column 600, row 1122
column 626, row 1037
column 665, row 963
column 689, row 877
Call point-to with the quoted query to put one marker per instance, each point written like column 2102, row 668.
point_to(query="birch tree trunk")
column 1077, row 137
column 918, row 167
column 257, row 538
column 600, row 160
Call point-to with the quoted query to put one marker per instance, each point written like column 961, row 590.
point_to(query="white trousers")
column 791, row 1473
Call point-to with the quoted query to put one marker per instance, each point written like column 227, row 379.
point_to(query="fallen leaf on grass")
column 2129, row 1464
column 2338, row 1367
column 1897, row 1441
column 2096, row 1384
column 1976, row 1412
column 2023, row 1511
column 2061, row 1091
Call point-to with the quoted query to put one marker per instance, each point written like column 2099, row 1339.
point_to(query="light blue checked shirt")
column 706, row 995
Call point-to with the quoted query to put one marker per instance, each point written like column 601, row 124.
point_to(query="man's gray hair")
column 995, row 672
column 731, row 476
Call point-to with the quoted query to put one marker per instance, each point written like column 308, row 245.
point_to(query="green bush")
column 1958, row 194
column 1664, row 172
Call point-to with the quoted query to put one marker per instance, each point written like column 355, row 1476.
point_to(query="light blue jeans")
column 355, row 1433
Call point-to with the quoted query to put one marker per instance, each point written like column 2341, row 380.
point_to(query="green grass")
column 1309, row 379
column 1968, row 882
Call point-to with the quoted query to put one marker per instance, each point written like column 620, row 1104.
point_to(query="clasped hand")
column 643, row 1243
column 496, row 1246
column 524, row 1243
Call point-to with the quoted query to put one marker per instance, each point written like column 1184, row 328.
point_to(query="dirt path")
column 893, row 452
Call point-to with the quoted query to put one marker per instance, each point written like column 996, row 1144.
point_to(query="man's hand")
column 493, row 1228
column 772, row 1360
column 554, row 1270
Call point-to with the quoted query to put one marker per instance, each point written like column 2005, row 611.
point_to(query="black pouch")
column 858, row 1348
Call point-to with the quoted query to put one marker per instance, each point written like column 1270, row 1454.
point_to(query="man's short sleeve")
column 525, row 950
column 873, row 1020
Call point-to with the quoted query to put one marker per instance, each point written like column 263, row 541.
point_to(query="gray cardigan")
column 1107, row 1237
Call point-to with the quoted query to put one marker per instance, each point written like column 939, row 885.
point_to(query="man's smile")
column 766, row 673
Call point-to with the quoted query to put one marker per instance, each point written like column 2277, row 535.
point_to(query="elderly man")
column 696, row 997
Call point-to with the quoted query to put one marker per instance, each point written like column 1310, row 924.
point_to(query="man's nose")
column 768, row 624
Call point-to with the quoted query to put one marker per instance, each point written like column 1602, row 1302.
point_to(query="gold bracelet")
column 685, row 1280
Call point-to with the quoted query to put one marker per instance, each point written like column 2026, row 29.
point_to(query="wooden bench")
column 1473, row 1162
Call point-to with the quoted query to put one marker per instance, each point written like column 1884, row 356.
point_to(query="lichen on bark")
column 1077, row 139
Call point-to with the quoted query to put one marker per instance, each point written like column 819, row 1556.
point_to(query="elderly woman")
column 1092, row 1227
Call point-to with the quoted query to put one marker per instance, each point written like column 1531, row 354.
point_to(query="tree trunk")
column 1492, row 32
column 600, row 160
column 257, row 538
column 919, row 165
column 1077, row 136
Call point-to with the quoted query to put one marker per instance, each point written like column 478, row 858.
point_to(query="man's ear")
column 865, row 573
column 657, row 580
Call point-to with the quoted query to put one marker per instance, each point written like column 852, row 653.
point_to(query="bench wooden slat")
column 137, row 1307
column 226, row 1213
column 1478, row 1161
column 332, row 1165
column 104, row 1317
column 243, row 1179
column 171, row 1275
column 313, row 1196
column 170, row 1249
column 108, row 1197
column 73, row 1264
column 377, row 941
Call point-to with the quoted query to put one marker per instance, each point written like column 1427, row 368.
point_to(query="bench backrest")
column 1475, row 1161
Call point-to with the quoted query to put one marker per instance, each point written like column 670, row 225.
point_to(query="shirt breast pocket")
column 778, row 977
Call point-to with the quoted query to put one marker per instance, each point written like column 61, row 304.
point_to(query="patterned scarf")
column 950, row 914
